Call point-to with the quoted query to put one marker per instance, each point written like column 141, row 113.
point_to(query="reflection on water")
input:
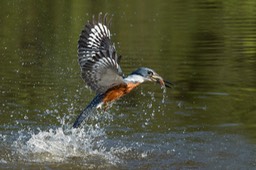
column 206, row 48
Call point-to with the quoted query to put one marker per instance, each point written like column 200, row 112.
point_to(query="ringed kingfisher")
column 100, row 67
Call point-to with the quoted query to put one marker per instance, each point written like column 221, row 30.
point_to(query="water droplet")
column 143, row 155
column 164, row 94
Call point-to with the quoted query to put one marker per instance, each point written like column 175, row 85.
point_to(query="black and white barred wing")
column 97, row 56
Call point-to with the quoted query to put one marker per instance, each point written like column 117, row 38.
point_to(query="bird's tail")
column 88, row 110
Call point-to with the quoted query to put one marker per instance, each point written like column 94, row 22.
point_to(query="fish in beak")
column 156, row 78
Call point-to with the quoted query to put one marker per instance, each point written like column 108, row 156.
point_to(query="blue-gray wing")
column 97, row 56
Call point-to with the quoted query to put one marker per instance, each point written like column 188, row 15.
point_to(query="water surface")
column 207, row 121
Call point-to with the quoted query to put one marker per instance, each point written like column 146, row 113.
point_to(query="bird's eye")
column 150, row 73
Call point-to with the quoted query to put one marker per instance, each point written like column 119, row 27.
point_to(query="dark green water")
column 207, row 121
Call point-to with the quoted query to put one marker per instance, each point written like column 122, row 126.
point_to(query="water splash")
column 87, row 143
column 164, row 94
column 55, row 145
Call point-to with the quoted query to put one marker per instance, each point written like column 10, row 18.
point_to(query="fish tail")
column 88, row 110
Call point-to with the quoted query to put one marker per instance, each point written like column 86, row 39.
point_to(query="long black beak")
column 168, row 84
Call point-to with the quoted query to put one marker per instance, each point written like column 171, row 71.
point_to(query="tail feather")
column 88, row 110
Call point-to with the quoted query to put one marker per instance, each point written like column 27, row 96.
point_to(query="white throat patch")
column 134, row 78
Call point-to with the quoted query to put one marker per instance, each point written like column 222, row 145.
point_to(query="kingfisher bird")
column 100, row 67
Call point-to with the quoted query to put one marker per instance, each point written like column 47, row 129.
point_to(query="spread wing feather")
column 97, row 56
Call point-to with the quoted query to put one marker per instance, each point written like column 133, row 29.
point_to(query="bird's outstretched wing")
column 97, row 56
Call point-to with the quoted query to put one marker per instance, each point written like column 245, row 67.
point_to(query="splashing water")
column 60, row 144
column 65, row 144
column 164, row 94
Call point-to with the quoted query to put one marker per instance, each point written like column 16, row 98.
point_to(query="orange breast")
column 118, row 91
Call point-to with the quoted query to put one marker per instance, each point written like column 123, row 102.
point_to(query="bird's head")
column 148, row 74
